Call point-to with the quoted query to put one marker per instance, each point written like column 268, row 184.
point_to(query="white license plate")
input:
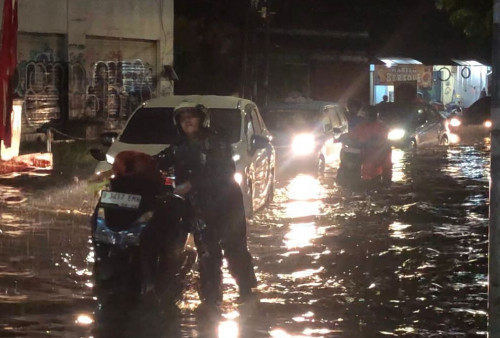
column 120, row 199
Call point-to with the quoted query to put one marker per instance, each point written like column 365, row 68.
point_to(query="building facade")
column 93, row 60
column 457, row 83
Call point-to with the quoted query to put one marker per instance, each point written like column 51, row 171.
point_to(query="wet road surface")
column 405, row 261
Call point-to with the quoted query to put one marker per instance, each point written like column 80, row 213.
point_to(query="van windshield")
column 156, row 126
column 292, row 120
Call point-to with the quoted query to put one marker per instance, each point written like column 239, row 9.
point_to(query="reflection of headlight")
column 110, row 159
column 396, row 134
column 454, row 138
column 303, row 144
column 238, row 177
column 488, row 124
column 454, row 122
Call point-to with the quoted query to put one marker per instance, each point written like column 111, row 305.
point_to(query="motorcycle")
column 361, row 166
column 138, row 231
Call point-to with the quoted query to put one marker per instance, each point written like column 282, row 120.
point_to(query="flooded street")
column 410, row 260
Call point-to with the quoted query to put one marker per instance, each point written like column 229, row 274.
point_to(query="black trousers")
column 224, row 237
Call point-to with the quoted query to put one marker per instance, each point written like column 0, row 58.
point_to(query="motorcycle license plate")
column 120, row 199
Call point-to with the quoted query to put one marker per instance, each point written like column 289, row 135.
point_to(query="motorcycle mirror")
column 98, row 154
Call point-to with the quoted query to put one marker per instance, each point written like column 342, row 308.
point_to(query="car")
column 414, row 125
column 151, row 129
column 479, row 113
column 306, row 135
column 476, row 121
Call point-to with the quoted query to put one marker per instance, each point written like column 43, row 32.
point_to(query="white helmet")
column 200, row 109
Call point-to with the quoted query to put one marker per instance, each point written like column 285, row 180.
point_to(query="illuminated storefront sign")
column 404, row 73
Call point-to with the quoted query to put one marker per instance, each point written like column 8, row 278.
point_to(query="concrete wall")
column 144, row 19
column 62, row 43
column 42, row 16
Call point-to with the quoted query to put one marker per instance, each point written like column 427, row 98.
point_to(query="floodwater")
column 406, row 261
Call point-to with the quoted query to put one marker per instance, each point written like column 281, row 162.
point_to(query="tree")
column 474, row 17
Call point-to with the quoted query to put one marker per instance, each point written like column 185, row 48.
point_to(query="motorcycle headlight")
column 396, row 134
column 303, row 144
column 488, row 124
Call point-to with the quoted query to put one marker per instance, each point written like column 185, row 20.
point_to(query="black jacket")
column 208, row 165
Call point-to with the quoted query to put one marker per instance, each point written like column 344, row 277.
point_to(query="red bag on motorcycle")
column 136, row 172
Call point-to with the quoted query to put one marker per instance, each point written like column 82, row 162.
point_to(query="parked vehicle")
column 151, row 129
column 306, row 133
column 139, row 232
column 415, row 125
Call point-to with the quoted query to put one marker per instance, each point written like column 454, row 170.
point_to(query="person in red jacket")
column 376, row 151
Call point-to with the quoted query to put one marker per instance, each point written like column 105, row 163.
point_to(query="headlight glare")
column 454, row 122
column 303, row 144
column 238, row 177
column 396, row 134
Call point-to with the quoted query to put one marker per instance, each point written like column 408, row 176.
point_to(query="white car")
column 306, row 135
column 151, row 129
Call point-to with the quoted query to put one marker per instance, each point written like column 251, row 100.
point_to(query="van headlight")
column 396, row 134
column 110, row 159
column 303, row 144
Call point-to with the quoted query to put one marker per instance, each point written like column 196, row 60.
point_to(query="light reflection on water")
column 302, row 234
column 398, row 174
column 409, row 261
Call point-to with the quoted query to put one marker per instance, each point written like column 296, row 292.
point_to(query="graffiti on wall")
column 41, row 83
column 118, row 87
column 112, row 90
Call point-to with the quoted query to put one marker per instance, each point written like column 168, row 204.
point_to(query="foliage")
column 474, row 17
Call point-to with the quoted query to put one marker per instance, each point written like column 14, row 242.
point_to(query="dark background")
column 212, row 57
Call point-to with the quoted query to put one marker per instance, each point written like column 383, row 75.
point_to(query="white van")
column 151, row 129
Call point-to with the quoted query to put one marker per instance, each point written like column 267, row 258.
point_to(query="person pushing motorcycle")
column 204, row 170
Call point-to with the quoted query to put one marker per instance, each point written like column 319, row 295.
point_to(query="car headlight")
column 487, row 124
column 110, row 159
column 396, row 134
column 238, row 177
column 454, row 122
column 303, row 144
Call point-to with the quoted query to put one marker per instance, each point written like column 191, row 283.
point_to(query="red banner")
column 8, row 63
